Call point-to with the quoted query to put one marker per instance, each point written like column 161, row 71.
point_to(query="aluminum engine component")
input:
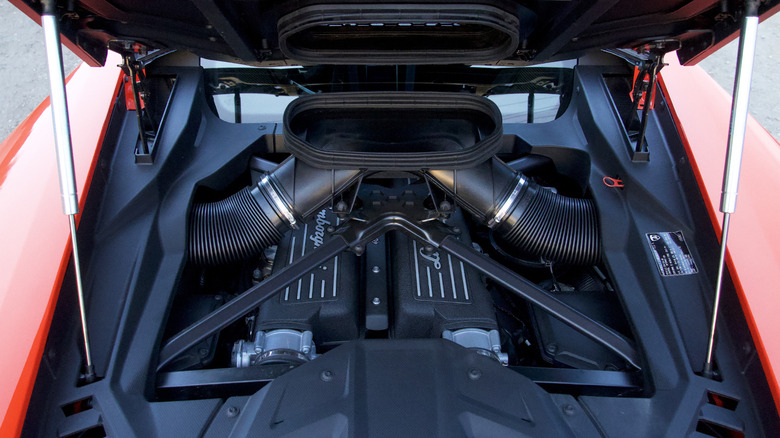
column 287, row 346
column 484, row 342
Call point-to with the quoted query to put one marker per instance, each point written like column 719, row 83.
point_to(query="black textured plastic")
column 394, row 34
column 230, row 230
column 436, row 292
column 553, row 226
column 392, row 130
column 325, row 301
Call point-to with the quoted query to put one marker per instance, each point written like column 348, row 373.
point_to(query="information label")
column 671, row 253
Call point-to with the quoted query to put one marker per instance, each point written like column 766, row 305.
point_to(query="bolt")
column 428, row 249
column 203, row 352
column 330, row 229
column 326, row 376
column 552, row 348
column 569, row 410
column 232, row 412
column 340, row 206
column 324, row 268
column 456, row 230
column 256, row 274
column 375, row 241
column 445, row 206
column 375, row 269
column 358, row 249
column 376, row 301
column 475, row 373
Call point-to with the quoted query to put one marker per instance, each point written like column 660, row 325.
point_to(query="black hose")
column 554, row 227
column 535, row 221
column 243, row 224
column 230, row 230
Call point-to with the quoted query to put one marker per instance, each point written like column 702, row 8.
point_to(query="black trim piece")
column 217, row 383
column 591, row 382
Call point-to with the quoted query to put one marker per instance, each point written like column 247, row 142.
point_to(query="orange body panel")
column 34, row 233
column 701, row 109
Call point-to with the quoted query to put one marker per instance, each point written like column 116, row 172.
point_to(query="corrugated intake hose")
column 530, row 218
column 243, row 224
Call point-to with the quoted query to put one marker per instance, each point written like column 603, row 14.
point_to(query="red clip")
column 613, row 182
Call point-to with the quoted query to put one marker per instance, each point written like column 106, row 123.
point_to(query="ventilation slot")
column 722, row 401
column 718, row 419
column 77, row 406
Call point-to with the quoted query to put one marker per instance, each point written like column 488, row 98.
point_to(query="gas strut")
column 737, row 127
column 67, row 173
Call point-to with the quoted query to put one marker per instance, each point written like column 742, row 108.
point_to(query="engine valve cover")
column 323, row 301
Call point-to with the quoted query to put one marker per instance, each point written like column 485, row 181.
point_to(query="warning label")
column 671, row 253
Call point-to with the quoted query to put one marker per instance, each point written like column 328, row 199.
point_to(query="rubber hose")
column 243, row 224
column 532, row 219
column 230, row 230
column 552, row 226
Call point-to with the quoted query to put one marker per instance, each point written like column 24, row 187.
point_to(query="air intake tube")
column 534, row 220
column 243, row 224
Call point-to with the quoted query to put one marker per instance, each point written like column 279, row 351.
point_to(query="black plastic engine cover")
column 400, row 388
column 436, row 292
column 324, row 300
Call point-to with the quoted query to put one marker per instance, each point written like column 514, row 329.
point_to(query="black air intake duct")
column 243, row 224
column 534, row 220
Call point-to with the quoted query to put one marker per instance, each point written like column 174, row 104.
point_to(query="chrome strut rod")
column 67, row 173
column 737, row 128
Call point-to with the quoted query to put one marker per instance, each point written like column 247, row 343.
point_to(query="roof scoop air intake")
column 398, row 34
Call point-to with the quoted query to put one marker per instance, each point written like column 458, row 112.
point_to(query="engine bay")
column 400, row 237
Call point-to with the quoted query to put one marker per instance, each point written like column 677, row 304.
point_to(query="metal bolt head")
column 552, row 348
column 375, row 269
column 475, row 373
column 326, row 376
column 203, row 352
column 256, row 274
column 376, row 301
column 330, row 229
column 232, row 412
column 569, row 410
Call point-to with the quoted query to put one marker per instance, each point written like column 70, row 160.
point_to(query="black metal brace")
column 133, row 69
column 355, row 235
column 649, row 61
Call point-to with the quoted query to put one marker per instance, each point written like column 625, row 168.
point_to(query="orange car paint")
column 34, row 233
column 701, row 109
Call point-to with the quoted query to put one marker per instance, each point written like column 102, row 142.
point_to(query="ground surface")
column 25, row 82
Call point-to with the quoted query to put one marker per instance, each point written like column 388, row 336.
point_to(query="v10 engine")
column 397, row 289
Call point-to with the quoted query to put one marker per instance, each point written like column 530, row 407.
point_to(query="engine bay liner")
column 252, row 289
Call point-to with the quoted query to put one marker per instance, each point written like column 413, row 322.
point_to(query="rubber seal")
column 393, row 130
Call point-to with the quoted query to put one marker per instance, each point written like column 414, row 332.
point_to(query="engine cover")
column 436, row 292
column 323, row 301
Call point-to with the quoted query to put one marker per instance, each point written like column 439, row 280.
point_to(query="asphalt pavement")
column 25, row 82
